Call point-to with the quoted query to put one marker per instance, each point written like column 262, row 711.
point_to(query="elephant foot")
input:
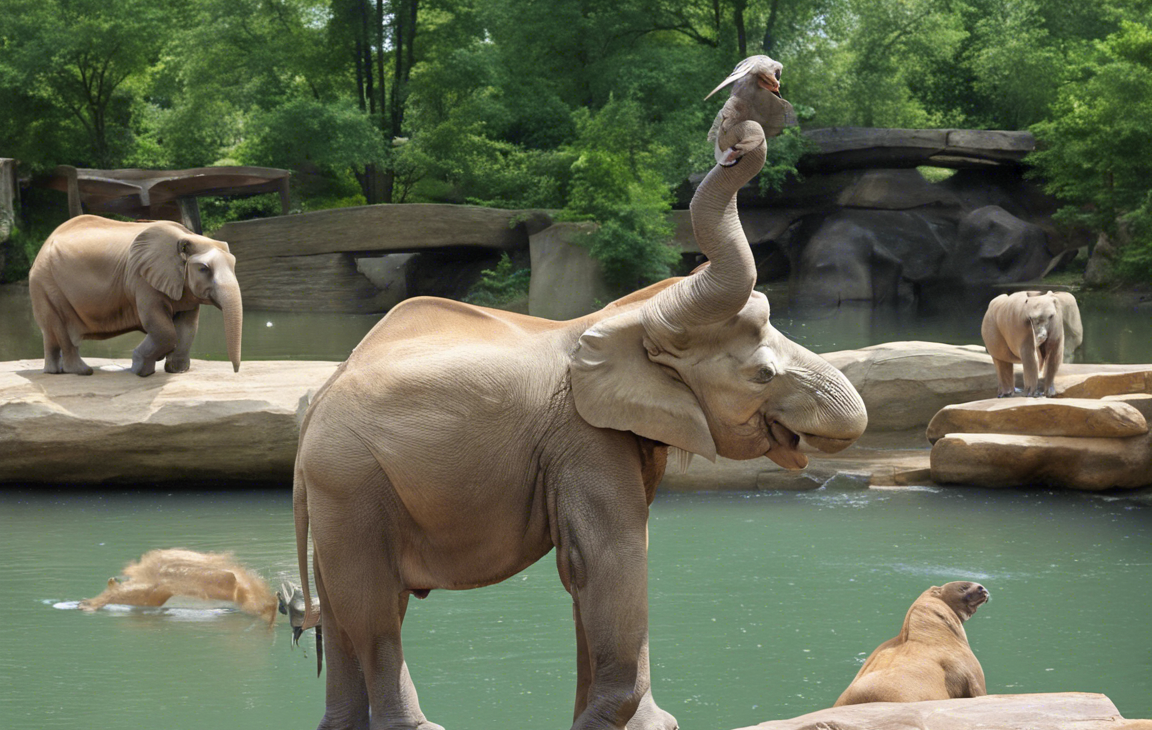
column 79, row 367
column 174, row 364
column 649, row 716
column 142, row 366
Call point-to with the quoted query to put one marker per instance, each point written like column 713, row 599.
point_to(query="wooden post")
column 75, row 207
column 9, row 191
column 190, row 214
column 284, row 199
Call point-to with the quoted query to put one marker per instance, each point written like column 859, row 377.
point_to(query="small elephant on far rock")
column 1026, row 327
column 96, row 278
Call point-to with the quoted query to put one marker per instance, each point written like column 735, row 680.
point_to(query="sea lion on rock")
column 930, row 659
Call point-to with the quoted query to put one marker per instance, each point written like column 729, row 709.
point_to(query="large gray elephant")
column 96, row 278
column 458, row 445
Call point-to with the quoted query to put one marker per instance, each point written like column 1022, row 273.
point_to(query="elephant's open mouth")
column 826, row 444
column 782, row 445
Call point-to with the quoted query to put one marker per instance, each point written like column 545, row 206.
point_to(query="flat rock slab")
column 208, row 423
column 904, row 384
column 1000, row 460
column 1055, row 711
column 1098, row 385
column 1040, row 417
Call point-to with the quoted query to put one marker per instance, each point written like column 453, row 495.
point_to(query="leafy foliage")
column 594, row 107
column 499, row 286
column 1097, row 148
column 616, row 182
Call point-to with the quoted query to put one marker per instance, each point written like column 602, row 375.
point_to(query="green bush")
column 616, row 181
column 501, row 285
column 784, row 151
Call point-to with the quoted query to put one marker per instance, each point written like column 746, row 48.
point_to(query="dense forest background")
column 588, row 106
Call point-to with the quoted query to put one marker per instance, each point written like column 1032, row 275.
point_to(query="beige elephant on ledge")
column 458, row 445
column 96, row 278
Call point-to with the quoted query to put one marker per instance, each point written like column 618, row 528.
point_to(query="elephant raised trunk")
column 226, row 296
column 722, row 289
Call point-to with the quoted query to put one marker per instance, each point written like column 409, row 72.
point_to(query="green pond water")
column 763, row 606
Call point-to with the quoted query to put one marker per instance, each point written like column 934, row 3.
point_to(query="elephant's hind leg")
column 61, row 351
column 1005, row 379
column 366, row 600
column 346, row 706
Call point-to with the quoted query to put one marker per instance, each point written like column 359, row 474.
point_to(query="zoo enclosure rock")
column 208, row 423
column 1052, row 711
column 212, row 423
column 1011, row 460
column 1040, row 417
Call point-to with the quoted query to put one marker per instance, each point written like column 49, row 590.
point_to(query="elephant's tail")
column 300, row 515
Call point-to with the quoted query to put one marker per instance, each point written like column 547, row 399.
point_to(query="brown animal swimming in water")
column 930, row 659
column 161, row 574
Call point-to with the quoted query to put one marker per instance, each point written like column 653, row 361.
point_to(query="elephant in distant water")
column 96, row 278
column 1025, row 327
column 458, row 445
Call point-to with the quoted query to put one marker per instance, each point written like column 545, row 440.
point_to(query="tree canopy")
column 554, row 103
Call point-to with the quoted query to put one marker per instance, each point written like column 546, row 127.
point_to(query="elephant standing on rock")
column 458, row 445
column 1026, row 327
column 96, row 278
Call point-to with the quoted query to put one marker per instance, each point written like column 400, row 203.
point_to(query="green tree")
column 616, row 182
column 70, row 62
column 1096, row 150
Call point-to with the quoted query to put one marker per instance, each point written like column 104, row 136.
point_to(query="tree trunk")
column 741, row 32
column 366, row 44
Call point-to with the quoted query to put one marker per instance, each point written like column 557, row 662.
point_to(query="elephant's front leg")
column 156, row 319
column 602, row 559
column 648, row 715
column 186, row 324
column 1030, row 362
column 1053, row 357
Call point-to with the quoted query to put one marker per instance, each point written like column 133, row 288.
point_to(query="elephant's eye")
column 202, row 268
column 764, row 375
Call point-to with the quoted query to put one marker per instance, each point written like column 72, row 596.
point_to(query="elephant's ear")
column 159, row 257
column 616, row 386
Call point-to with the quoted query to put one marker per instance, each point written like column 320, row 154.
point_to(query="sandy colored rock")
column 999, row 460
column 567, row 282
column 904, row 384
column 1039, row 417
column 112, row 426
column 1051, row 711
column 900, row 477
column 1140, row 401
column 1098, row 385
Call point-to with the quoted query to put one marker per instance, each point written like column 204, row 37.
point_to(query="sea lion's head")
column 963, row 597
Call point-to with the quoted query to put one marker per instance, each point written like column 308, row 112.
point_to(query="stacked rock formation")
column 1077, row 442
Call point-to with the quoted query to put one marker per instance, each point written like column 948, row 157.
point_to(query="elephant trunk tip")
column 235, row 366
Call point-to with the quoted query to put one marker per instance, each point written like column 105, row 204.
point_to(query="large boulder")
column 1053, row 711
column 566, row 281
column 1003, row 460
column 995, row 247
column 877, row 256
column 904, row 384
column 1040, row 417
column 206, row 424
